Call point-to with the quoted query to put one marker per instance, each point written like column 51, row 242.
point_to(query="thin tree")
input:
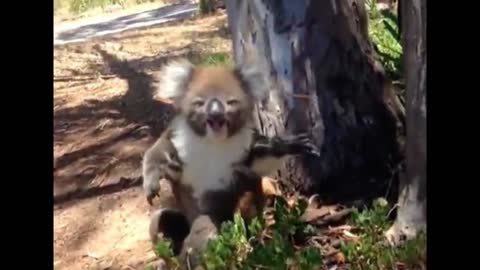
column 412, row 202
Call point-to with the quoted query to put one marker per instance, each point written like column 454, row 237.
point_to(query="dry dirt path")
column 105, row 117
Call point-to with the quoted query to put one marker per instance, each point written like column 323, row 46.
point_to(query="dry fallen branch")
column 312, row 213
column 337, row 217
column 350, row 236
column 336, row 243
column 332, row 252
column 340, row 229
column 314, row 201
column 85, row 78
column 270, row 187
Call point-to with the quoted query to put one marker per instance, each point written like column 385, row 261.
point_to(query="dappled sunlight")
column 111, row 229
column 105, row 117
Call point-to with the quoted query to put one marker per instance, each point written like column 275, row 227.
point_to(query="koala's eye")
column 233, row 102
column 198, row 103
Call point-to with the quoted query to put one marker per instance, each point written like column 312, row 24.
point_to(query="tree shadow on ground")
column 113, row 131
column 139, row 116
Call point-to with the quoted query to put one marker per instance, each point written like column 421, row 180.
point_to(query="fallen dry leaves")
column 329, row 237
column 270, row 187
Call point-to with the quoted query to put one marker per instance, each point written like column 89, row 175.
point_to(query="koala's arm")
column 160, row 161
column 268, row 153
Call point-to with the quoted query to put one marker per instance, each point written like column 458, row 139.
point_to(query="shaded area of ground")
column 105, row 116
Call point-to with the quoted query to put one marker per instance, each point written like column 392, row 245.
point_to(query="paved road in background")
column 152, row 17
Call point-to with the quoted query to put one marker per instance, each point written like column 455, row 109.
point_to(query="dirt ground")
column 105, row 116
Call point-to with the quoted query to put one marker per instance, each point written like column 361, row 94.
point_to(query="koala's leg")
column 172, row 224
column 251, row 198
column 203, row 229
column 245, row 195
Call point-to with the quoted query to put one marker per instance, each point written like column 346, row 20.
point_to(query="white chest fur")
column 207, row 164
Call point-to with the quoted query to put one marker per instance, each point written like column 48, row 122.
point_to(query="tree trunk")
column 324, row 80
column 412, row 202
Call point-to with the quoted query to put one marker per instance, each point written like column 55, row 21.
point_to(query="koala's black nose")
column 215, row 110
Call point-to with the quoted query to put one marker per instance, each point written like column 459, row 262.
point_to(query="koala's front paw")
column 302, row 144
column 152, row 190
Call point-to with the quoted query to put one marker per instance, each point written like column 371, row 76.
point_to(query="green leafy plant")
column 372, row 252
column 261, row 246
column 229, row 247
column 150, row 267
column 278, row 241
column 164, row 250
column 384, row 33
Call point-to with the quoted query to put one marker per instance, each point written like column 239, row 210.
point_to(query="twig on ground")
column 334, row 218
column 188, row 259
column 340, row 228
column 87, row 78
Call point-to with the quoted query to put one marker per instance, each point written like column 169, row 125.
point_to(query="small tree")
column 412, row 202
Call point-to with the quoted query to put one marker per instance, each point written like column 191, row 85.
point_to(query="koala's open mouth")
column 216, row 124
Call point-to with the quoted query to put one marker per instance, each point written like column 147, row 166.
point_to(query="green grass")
column 283, row 245
column 214, row 59
column 79, row 6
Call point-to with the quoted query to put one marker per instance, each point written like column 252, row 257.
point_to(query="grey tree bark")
column 412, row 202
column 324, row 80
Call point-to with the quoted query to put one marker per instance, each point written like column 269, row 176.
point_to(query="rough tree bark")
column 412, row 202
column 324, row 80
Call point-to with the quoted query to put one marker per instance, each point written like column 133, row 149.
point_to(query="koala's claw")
column 175, row 166
column 314, row 151
column 311, row 148
column 303, row 142
column 303, row 137
column 150, row 198
column 151, row 192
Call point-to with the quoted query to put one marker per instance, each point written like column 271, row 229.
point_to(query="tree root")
column 400, row 232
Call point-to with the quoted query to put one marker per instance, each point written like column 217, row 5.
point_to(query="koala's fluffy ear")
column 253, row 80
column 174, row 79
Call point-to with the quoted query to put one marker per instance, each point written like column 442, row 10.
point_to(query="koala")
column 212, row 153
